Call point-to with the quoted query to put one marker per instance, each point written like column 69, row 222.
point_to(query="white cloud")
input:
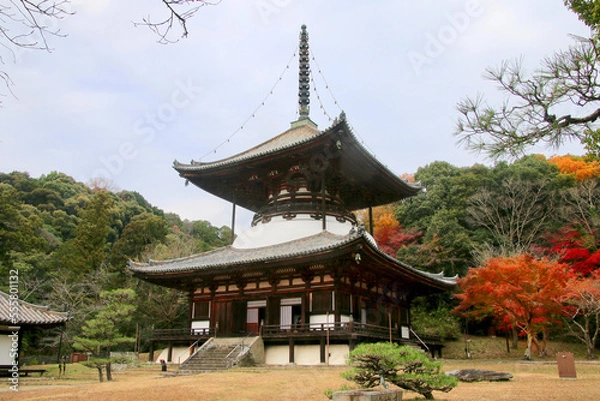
column 79, row 105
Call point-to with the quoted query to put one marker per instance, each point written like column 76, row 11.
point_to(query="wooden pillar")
column 323, row 349
column 233, row 221
column 291, row 350
column 371, row 220
column 337, row 313
column 323, row 203
column 170, row 352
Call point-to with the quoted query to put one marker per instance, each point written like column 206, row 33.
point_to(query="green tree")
column 166, row 308
column 138, row 237
column 88, row 250
column 101, row 334
column 438, row 322
column 440, row 213
column 588, row 11
column 19, row 226
column 402, row 366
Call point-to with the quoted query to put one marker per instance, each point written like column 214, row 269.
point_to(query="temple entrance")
column 231, row 317
column 255, row 315
column 291, row 312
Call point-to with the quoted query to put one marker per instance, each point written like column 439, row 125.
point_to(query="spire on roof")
column 304, row 76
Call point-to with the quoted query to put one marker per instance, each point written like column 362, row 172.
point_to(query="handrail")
column 419, row 338
column 238, row 345
column 187, row 349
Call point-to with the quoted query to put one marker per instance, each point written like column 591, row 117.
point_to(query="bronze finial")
column 304, row 75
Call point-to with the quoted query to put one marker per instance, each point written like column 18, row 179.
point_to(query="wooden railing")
column 314, row 330
column 332, row 329
column 182, row 334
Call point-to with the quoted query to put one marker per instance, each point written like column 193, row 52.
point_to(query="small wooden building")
column 306, row 276
column 16, row 316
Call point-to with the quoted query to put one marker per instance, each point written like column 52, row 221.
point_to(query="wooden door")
column 231, row 318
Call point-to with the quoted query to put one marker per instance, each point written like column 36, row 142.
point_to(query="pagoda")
column 306, row 277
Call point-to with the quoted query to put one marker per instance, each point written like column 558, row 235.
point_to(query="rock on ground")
column 478, row 375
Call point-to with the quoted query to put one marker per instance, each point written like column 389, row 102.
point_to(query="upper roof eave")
column 293, row 137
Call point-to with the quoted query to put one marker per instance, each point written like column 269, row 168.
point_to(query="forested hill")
column 69, row 244
column 56, row 231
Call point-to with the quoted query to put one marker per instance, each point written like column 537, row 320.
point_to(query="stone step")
column 214, row 356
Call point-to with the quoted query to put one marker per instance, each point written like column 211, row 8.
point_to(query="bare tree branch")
column 539, row 107
column 179, row 12
column 27, row 24
column 515, row 213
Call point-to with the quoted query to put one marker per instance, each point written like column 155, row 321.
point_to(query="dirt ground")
column 531, row 382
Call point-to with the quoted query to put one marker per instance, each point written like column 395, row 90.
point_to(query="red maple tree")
column 574, row 249
column 521, row 289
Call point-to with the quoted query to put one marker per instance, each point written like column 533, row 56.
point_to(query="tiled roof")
column 25, row 313
column 229, row 256
column 288, row 139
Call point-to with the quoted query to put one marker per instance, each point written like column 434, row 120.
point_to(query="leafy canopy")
column 403, row 366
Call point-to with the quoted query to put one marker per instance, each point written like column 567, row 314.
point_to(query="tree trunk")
column 108, row 366
column 100, row 375
column 515, row 336
column 590, row 340
column 542, row 348
column 527, row 355
column 591, row 350
column 428, row 395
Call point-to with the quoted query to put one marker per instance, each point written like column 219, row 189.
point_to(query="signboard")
column 566, row 365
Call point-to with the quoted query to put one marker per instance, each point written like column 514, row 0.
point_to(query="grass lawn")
column 536, row 381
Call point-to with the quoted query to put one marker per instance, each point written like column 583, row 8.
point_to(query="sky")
column 109, row 101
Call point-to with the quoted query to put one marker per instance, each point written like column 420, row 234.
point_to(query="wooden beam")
column 291, row 342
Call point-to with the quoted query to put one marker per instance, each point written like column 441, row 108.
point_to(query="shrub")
column 439, row 323
column 403, row 366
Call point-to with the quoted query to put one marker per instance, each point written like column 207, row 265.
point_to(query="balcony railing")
column 334, row 330
column 341, row 331
column 182, row 334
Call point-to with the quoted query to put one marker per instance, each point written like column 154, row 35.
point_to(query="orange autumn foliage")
column 576, row 166
column 521, row 289
column 387, row 232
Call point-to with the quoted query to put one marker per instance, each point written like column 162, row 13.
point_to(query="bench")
column 26, row 372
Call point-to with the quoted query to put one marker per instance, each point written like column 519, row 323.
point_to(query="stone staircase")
column 217, row 354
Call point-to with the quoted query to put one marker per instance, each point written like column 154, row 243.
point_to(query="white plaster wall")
column 180, row 355
column 277, row 355
column 306, row 355
column 280, row 230
column 5, row 349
